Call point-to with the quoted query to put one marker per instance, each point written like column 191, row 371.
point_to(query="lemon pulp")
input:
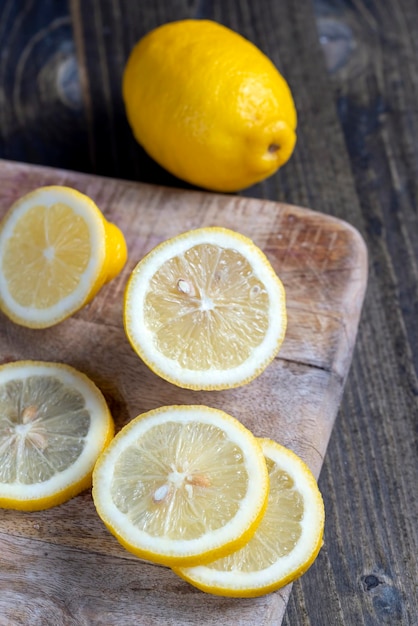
column 56, row 251
column 46, row 255
column 279, row 530
column 39, row 438
column 206, row 308
column 181, row 493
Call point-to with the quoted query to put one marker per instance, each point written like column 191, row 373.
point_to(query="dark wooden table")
column 353, row 69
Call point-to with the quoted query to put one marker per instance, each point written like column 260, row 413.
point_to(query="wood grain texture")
column 65, row 597
column 323, row 264
column 40, row 95
column 373, row 463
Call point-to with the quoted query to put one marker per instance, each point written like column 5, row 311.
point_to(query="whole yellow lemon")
column 208, row 105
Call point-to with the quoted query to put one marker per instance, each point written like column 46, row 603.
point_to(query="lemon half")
column 56, row 251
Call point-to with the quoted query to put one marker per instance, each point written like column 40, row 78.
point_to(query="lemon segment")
column 286, row 542
column 56, row 251
column 181, row 484
column 205, row 310
column 54, row 422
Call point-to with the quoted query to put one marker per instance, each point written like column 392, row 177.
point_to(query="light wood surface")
column 65, row 557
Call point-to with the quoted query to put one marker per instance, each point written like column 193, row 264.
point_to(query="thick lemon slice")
column 181, row 485
column 56, row 251
column 205, row 310
column 54, row 422
column 284, row 545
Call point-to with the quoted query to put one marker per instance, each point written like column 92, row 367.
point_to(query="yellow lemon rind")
column 223, row 129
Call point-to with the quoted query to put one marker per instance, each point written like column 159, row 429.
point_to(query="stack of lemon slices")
column 190, row 487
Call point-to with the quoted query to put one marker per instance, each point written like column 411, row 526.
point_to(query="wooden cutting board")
column 62, row 566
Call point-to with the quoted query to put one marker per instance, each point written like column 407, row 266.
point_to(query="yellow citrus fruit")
column 54, row 422
column 181, row 484
column 205, row 309
column 285, row 543
column 56, row 251
column 208, row 105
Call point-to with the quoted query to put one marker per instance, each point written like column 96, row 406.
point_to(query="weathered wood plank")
column 371, row 537
column 41, row 107
column 53, row 585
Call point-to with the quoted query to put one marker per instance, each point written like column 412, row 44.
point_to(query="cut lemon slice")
column 181, row 485
column 205, row 310
column 54, row 422
column 56, row 251
column 284, row 545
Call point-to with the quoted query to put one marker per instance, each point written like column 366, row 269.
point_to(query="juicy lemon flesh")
column 46, row 255
column 180, row 480
column 207, row 309
column 43, row 425
column 278, row 532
